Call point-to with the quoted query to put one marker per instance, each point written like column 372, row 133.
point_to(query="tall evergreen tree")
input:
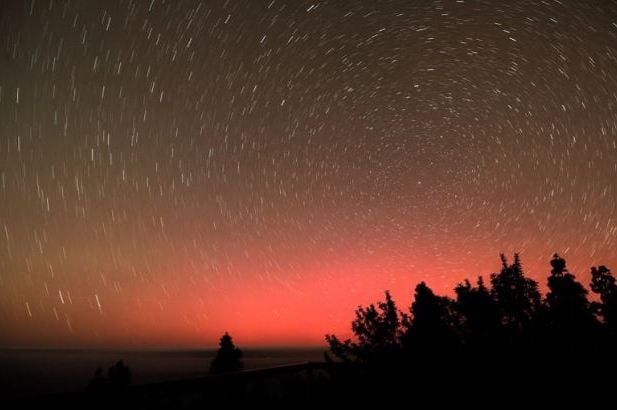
column 517, row 297
column 603, row 284
column 429, row 328
column 228, row 358
column 569, row 310
column 478, row 312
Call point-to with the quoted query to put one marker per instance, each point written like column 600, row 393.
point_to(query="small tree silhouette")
column 119, row 375
column 228, row 358
column 377, row 331
column 98, row 381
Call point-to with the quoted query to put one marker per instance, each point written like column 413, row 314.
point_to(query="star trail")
column 174, row 169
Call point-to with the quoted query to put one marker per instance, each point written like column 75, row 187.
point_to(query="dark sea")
column 27, row 372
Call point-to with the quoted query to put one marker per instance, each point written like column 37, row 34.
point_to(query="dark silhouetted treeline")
column 118, row 377
column 495, row 344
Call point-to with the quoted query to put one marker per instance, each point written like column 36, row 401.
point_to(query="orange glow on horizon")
column 256, row 313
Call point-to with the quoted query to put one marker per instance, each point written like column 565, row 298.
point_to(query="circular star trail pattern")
column 170, row 170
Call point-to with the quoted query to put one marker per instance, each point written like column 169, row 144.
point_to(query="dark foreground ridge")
column 292, row 386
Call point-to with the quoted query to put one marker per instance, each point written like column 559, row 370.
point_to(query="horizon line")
column 166, row 347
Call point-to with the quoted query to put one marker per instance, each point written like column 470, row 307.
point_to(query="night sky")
column 171, row 170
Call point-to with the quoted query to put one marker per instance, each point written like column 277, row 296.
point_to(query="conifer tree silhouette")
column 98, row 381
column 429, row 329
column 570, row 315
column 228, row 358
column 517, row 298
column 119, row 375
column 478, row 313
column 377, row 331
column 603, row 284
